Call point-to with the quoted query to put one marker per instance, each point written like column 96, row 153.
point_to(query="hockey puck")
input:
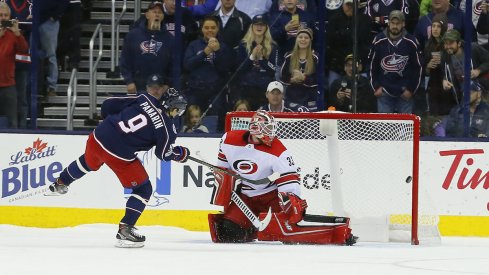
column 409, row 179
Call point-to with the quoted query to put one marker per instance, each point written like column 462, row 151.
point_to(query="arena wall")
column 455, row 176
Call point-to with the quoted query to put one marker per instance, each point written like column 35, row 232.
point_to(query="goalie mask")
column 263, row 126
column 174, row 100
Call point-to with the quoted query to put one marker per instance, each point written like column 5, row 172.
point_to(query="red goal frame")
column 363, row 116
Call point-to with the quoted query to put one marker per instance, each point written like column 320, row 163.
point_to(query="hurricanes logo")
column 245, row 166
column 394, row 63
column 151, row 47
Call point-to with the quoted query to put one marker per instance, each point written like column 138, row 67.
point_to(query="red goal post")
column 365, row 166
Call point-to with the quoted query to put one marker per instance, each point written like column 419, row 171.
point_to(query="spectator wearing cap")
column 453, row 124
column 299, row 71
column 284, row 25
column 257, row 63
column 11, row 43
column 395, row 67
column 483, row 21
column 208, row 62
column 453, row 64
column 339, row 39
column 147, row 50
column 379, row 11
column 276, row 102
column 341, row 91
column 234, row 23
column 455, row 20
column 439, row 101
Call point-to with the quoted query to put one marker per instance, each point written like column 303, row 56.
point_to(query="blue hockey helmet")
column 174, row 100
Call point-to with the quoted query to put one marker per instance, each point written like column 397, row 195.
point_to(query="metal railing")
column 71, row 100
column 114, row 34
column 93, row 68
column 137, row 10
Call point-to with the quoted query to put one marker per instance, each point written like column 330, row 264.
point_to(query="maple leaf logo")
column 37, row 147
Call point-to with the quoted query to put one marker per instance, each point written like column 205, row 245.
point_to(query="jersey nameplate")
column 153, row 114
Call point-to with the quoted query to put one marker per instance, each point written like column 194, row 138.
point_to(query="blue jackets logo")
column 29, row 169
column 394, row 63
column 151, row 47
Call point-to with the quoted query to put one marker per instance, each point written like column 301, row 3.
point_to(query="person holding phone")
column 285, row 25
column 11, row 43
column 341, row 91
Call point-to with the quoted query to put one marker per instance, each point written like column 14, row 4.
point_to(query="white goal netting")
column 363, row 166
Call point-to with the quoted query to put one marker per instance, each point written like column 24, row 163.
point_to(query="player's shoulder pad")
column 277, row 148
column 235, row 137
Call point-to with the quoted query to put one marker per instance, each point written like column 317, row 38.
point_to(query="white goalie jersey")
column 258, row 161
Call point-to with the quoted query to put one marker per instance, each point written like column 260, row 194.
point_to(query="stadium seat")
column 211, row 123
column 3, row 122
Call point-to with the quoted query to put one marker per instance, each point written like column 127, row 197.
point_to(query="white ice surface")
column 89, row 249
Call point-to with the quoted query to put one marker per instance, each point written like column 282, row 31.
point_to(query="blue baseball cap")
column 155, row 80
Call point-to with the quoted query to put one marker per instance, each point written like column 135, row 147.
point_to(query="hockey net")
column 364, row 166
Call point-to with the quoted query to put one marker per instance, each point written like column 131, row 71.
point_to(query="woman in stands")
column 257, row 63
column 298, row 72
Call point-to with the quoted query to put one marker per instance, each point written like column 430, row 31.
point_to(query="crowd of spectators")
column 408, row 54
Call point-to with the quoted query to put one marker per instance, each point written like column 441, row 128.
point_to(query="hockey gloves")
column 293, row 206
column 180, row 154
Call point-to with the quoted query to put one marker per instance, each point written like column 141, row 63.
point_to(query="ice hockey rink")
column 89, row 249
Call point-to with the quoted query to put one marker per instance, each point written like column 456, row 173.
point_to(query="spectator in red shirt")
column 11, row 43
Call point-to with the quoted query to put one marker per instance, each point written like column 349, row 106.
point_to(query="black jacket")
column 235, row 28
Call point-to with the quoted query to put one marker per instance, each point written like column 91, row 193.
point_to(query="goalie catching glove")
column 180, row 154
column 293, row 206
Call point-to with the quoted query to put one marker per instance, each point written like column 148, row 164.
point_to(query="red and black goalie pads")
column 223, row 186
column 279, row 229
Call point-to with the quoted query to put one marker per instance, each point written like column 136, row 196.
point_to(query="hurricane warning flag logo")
column 394, row 63
column 151, row 46
column 245, row 166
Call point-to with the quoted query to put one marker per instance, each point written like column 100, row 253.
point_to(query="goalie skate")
column 128, row 237
column 56, row 189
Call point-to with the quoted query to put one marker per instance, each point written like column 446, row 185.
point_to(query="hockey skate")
column 128, row 237
column 57, row 188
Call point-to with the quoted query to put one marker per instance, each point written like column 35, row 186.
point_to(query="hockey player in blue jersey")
column 131, row 124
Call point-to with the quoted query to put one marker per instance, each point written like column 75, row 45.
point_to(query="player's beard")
column 155, row 25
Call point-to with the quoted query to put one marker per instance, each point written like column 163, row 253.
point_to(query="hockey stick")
column 325, row 219
column 267, row 180
column 257, row 223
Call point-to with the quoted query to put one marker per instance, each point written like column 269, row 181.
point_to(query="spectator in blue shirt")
column 208, row 62
column 453, row 124
column 147, row 50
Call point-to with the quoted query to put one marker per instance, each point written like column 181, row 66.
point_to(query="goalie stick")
column 267, row 180
column 257, row 223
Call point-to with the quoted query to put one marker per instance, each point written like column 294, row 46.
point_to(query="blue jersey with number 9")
column 135, row 123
